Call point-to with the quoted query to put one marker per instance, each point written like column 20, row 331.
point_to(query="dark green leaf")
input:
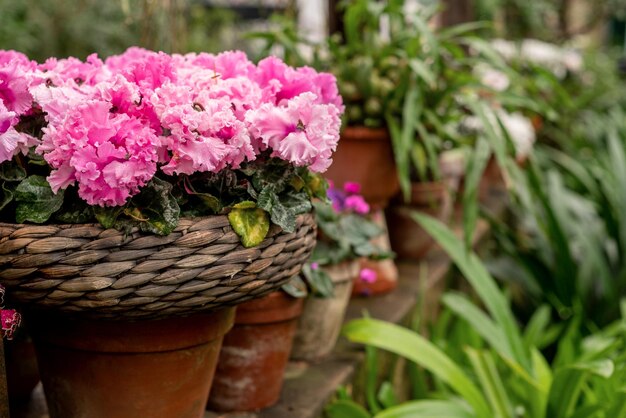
column 6, row 195
column 36, row 201
column 156, row 209
column 11, row 171
column 295, row 287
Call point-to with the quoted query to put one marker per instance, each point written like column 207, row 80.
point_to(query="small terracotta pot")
column 364, row 155
column 113, row 369
column 321, row 320
column 386, row 270
column 22, row 370
column 408, row 239
column 255, row 353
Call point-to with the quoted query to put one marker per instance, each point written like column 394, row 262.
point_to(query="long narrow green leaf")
column 482, row 282
column 491, row 382
column 483, row 325
column 416, row 348
column 426, row 409
column 346, row 409
column 474, row 171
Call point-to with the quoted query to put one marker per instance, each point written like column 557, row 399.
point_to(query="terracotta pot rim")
column 364, row 134
column 133, row 337
column 277, row 306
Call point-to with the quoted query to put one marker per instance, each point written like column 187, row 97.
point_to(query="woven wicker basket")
column 201, row 266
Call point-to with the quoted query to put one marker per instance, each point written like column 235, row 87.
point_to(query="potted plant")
column 255, row 353
column 345, row 235
column 150, row 193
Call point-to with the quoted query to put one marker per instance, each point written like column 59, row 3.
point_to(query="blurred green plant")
column 58, row 28
column 495, row 367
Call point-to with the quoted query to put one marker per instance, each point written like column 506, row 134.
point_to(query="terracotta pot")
column 21, row 368
column 321, row 320
column 385, row 270
column 408, row 239
column 364, row 155
column 113, row 369
column 252, row 362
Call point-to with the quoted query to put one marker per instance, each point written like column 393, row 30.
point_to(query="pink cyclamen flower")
column 14, row 82
column 315, row 266
column 352, row 187
column 357, row 204
column 12, row 141
column 110, row 155
column 10, row 320
column 368, row 275
column 302, row 132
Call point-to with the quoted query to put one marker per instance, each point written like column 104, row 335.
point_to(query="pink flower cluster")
column 10, row 320
column 111, row 125
column 348, row 199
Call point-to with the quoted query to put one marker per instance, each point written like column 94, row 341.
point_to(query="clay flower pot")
column 364, row 155
column 21, row 368
column 408, row 239
column 151, row 368
column 255, row 353
column 321, row 320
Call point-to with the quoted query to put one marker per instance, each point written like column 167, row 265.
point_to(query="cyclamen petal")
column 10, row 320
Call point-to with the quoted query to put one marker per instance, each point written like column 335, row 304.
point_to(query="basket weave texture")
column 105, row 273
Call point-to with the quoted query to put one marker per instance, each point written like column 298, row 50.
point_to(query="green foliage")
column 36, row 201
column 501, row 374
column 344, row 236
column 59, row 28
column 318, row 281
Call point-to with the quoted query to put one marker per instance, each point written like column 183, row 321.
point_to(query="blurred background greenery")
column 44, row 28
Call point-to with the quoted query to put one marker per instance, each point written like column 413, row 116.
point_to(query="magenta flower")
column 357, row 204
column 368, row 275
column 10, row 320
column 352, row 187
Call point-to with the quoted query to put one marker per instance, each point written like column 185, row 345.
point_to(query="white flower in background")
column 507, row 49
column 492, row 78
column 521, row 131
column 573, row 60
column 519, row 128
column 553, row 57
column 544, row 54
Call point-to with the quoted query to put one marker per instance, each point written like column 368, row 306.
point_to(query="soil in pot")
column 322, row 318
column 364, row 155
column 113, row 369
column 255, row 353
column 408, row 239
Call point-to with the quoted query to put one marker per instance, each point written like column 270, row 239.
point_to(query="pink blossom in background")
column 352, row 187
column 368, row 275
column 10, row 320
column 357, row 204
column 315, row 266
